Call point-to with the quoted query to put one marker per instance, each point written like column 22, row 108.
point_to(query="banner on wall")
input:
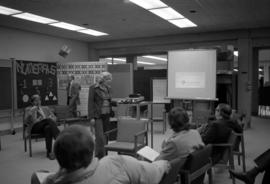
column 36, row 78
column 85, row 73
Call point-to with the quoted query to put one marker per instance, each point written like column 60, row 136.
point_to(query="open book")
column 148, row 153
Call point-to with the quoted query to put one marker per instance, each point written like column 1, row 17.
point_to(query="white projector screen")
column 192, row 74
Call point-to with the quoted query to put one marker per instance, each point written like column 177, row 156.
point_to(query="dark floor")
column 16, row 166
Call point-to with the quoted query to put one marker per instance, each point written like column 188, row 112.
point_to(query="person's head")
column 74, row 148
column 71, row 77
column 35, row 100
column 105, row 77
column 223, row 111
column 178, row 119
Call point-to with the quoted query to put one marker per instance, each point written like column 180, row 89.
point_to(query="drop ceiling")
column 124, row 20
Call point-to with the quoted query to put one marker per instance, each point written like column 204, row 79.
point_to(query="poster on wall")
column 36, row 78
column 85, row 74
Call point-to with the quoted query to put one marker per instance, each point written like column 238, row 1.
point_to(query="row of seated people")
column 74, row 150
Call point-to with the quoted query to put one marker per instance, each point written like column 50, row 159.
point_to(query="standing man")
column 70, row 80
column 99, row 109
column 75, row 89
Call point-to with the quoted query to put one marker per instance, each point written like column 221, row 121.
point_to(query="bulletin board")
column 85, row 74
column 36, row 78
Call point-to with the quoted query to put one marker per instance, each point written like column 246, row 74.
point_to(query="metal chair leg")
column 30, row 147
column 25, row 144
column 243, row 153
column 231, row 164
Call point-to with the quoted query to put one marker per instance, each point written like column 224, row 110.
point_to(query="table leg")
column 152, row 127
column 152, row 134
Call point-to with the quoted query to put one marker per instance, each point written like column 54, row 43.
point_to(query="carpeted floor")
column 16, row 166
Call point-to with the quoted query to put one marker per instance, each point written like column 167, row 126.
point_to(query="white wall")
column 23, row 45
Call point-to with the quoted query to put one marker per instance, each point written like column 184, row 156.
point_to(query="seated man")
column 74, row 151
column 43, row 121
column 219, row 130
column 184, row 140
column 262, row 165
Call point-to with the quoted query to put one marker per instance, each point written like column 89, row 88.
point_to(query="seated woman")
column 74, row 151
column 43, row 121
column 219, row 130
column 184, row 140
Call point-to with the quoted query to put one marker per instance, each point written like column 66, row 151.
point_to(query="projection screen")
column 192, row 74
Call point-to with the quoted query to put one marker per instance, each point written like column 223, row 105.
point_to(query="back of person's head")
column 178, row 119
column 74, row 148
column 225, row 110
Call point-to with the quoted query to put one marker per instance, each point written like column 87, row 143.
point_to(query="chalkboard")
column 36, row 78
column 5, row 94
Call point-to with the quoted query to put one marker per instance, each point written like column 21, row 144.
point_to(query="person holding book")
column 74, row 151
column 184, row 140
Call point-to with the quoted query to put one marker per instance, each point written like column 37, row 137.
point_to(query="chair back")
column 171, row 177
column 198, row 159
column 62, row 112
column 198, row 163
column 128, row 127
column 226, row 153
column 26, row 115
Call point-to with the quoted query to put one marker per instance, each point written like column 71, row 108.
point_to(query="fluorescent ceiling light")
column 116, row 59
column 260, row 70
column 235, row 53
column 155, row 57
column 68, row 26
column 167, row 13
column 149, row 4
column 8, row 11
column 145, row 63
column 92, row 32
column 34, row 18
column 183, row 23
